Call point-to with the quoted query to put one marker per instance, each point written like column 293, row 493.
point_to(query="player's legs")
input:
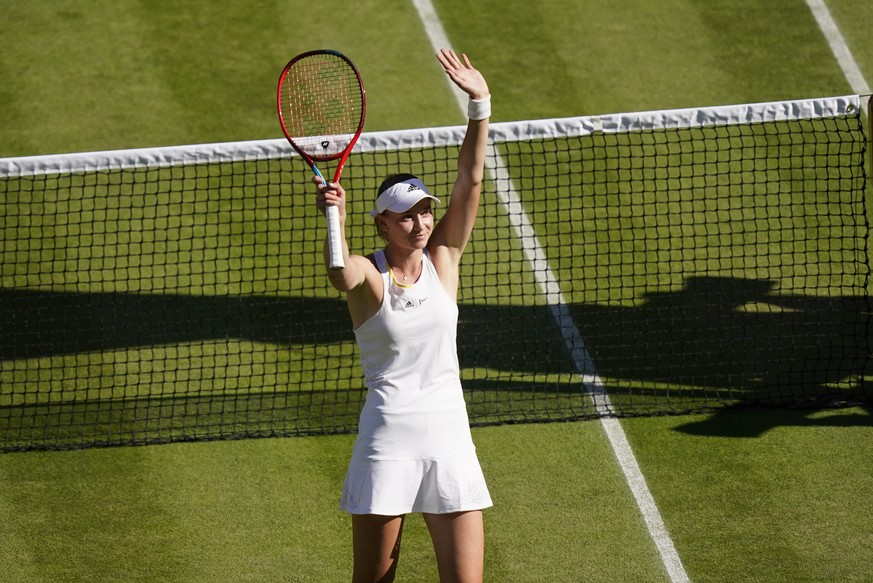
column 376, row 544
column 459, row 542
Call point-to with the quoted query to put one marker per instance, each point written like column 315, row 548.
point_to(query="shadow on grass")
column 718, row 342
column 754, row 423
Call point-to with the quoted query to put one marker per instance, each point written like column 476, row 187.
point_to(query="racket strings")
column 321, row 104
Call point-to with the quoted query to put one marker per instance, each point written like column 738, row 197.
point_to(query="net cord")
column 444, row 136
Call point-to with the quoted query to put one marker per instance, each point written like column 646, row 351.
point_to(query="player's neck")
column 406, row 263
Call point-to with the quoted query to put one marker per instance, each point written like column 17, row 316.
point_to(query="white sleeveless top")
column 415, row 405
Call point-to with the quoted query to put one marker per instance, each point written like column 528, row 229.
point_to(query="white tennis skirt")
column 395, row 487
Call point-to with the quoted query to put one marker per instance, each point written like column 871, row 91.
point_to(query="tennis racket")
column 322, row 104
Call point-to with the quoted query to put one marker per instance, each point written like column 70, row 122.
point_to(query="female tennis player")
column 414, row 451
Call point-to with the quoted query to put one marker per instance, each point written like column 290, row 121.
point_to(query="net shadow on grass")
column 716, row 344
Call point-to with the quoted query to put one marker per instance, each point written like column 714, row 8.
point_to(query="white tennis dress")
column 414, row 451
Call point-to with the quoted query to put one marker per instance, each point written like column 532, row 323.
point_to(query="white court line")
column 838, row 45
column 549, row 286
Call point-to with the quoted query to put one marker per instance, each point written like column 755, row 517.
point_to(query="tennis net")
column 634, row 264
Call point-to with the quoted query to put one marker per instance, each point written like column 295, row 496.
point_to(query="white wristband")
column 478, row 109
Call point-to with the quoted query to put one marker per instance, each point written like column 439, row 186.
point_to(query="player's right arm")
column 360, row 280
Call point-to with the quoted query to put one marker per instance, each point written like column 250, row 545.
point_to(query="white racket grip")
column 334, row 238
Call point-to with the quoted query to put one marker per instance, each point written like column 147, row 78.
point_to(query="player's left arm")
column 451, row 235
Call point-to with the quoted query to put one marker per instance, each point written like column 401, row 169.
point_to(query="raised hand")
column 463, row 74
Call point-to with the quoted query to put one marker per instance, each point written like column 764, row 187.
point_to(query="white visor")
column 402, row 196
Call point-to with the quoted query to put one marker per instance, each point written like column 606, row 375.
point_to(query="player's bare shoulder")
column 365, row 298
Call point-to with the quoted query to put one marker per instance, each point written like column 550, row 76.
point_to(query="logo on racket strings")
column 325, row 144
